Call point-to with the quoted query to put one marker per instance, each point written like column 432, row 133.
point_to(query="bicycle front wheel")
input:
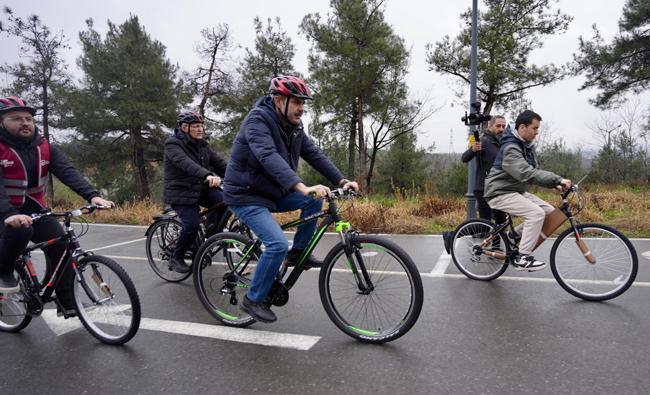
column 222, row 269
column 375, row 294
column 107, row 301
column 468, row 249
column 13, row 312
column 161, row 242
column 605, row 269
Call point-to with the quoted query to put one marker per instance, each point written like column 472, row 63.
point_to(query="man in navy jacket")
column 261, row 178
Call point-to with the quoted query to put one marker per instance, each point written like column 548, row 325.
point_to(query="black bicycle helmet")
column 190, row 117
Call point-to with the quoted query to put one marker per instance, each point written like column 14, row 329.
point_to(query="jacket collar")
column 18, row 143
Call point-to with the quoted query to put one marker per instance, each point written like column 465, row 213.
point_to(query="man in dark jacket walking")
column 485, row 151
column 261, row 178
column 193, row 171
column 26, row 158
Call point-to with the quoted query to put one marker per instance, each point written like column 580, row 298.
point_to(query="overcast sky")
column 177, row 25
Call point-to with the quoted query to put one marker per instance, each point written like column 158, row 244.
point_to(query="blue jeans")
column 261, row 222
column 189, row 216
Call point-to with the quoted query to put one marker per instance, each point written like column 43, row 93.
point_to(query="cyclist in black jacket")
column 487, row 149
column 193, row 171
column 26, row 158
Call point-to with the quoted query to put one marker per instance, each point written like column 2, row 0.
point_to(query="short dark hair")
column 526, row 118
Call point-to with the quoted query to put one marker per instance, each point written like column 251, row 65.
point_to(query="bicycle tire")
column 386, row 263
column 467, row 236
column 107, row 302
column 218, row 255
column 592, row 281
column 160, row 244
column 13, row 312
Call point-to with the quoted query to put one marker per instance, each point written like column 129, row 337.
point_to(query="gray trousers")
column 531, row 208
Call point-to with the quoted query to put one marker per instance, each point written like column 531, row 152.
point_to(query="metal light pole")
column 473, row 109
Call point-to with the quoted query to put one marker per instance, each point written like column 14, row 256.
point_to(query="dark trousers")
column 189, row 216
column 14, row 240
column 484, row 210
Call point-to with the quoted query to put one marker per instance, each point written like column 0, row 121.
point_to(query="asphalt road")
column 521, row 333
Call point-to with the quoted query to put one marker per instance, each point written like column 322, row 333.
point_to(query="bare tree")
column 43, row 71
column 211, row 78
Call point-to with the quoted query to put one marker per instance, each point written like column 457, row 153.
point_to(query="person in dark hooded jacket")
column 26, row 159
column 193, row 171
column 262, row 178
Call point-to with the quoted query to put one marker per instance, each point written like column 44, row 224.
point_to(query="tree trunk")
column 139, row 165
column 362, row 146
column 46, row 133
column 373, row 157
column 352, row 152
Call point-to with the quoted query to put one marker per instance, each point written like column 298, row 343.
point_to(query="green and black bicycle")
column 369, row 286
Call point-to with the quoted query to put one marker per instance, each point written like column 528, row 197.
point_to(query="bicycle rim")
column 612, row 273
column 161, row 242
column 107, row 302
column 387, row 311
column 220, row 294
column 13, row 312
column 467, row 238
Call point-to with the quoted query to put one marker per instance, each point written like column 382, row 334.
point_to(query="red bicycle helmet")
column 15, row 103
column 190, row 117
column 288, row 85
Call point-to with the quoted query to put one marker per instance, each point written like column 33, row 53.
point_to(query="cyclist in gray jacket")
column 506, row 187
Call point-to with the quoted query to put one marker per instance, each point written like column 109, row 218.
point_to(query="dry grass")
column 626, row 208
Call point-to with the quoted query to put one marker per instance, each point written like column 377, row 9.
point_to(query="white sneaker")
column 528, row 263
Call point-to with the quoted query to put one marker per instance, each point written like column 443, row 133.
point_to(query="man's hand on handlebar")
column 564, row 186
column 213, row 181
column 347, row 184
column 97, row 201
column 318, row 191
column 18, row 221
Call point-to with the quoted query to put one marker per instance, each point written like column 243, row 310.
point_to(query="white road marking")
column 646, row 254
column 118, row 244
column 241, row 335
column 441, row 266
column 61, row 326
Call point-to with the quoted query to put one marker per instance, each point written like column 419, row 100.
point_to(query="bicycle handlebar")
column 87, row 209
column 340, row 192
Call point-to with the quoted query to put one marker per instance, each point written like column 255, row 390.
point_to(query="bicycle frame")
column 69, row 258
column 330, row 216
column 566, row 210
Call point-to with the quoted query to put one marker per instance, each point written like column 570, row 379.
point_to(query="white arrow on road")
column 61, row 326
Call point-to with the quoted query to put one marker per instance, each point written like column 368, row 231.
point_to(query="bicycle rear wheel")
column 388, row 303
column 467, row 250
column 614, row 267
column 107, row 301
column 161, row 241
column 13, row 312
column 219, row 289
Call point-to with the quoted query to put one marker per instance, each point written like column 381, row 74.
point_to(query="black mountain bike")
column 106, row 300
column 163, row 233
column 590, row 261
column 369, row 286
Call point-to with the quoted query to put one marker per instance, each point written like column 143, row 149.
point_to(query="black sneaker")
column 258, row 310
column 66, row 313
column 293, row 257
column 8, row 284
column 179, row 266
column 513, row 237
column 528, row 263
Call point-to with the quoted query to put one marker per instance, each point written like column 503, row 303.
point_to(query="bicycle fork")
column 361, row 275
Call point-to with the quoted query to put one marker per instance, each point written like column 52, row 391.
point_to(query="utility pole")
column 473, row 109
